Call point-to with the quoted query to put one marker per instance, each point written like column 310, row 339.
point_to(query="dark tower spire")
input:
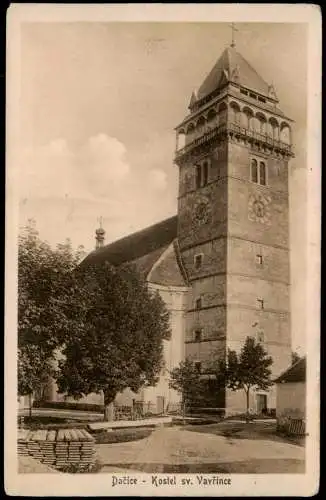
column 99, row 235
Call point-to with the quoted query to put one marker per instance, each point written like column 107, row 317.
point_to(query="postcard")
column 163, row 216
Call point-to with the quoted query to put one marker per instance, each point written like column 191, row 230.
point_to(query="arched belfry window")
column 205, row 173
column 254, row 170
column 258, row 172
column 201, row 173
column 198, row 176
column 262, row 173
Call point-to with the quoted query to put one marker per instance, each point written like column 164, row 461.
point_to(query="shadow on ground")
column 268, row 466
column 252, row 430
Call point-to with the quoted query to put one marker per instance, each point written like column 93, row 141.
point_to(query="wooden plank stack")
column 58, row 448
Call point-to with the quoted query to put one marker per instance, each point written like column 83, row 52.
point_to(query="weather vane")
column 234, row 29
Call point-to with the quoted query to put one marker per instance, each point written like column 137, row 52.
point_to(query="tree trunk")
column 108, row 407
column 30, row 404
column 184, row 412
column 247, row 412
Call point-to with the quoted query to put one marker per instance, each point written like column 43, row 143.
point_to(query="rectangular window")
column 198, row 366
column 259, row 259
column 198, row 261
column 198, row 335
column 243, row 91
column 261, row 99
column 198, row 303
column 260, row 303
column 253, row 96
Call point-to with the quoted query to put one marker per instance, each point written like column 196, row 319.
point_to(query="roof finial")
column 100, row 234
column 233, row 28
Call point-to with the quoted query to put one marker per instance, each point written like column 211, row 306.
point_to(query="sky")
column 98, row 107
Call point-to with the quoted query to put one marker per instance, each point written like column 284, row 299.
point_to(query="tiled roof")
column 150, row 241
column 295, row 373
column 153, row 245
column 232, row 63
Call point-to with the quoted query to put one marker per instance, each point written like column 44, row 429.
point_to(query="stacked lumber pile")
column 58, row 448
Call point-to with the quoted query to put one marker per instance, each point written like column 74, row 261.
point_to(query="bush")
column 52, row 423
column 65, row 405
column 122, row 435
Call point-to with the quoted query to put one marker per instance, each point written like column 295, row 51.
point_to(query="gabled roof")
column 232, row 66
column 295, row 373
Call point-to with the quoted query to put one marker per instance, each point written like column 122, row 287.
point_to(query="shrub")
column 65, row 405
column 77, row 468
column 122, row 435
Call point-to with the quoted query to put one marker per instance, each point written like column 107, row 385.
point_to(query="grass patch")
column 255, row 466
column 122, row 435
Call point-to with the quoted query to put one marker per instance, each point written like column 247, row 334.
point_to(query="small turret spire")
column 233, row 28
column 99, row 235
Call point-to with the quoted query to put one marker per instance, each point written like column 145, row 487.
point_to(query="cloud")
column 104, row 161
column 55, row 171
column 157, row 179
column 66, row 190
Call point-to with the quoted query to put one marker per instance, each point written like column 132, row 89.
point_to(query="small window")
column 198, row 261
column 198, row 335
column 262, row 174
column 198, row 176
column 243, row 91
column 205, row 173
column 198, row 366
column 260, row 337
column 254, row 171
column 198, row 303
column 258, row 172
column 261, row 99
column 253, row 96
column 260, row 303
column 259, row 259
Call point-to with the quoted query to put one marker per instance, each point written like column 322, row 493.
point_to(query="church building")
column 222, row 263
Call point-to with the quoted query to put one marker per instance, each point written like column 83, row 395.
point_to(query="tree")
column 46, row 311
column 185, row 379
column 34, row 371
column 249, row 369
column 119, row 341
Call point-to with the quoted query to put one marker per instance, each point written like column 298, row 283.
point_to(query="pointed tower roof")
column 231, row 66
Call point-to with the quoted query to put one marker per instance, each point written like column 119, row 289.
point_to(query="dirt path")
column 176, row 446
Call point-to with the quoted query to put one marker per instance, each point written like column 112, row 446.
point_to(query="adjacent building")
column 291, row 392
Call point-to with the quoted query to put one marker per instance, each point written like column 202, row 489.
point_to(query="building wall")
column 176, row 299
column 291, row 400
column 209, row 239
column 249, row 279
column 236, row 401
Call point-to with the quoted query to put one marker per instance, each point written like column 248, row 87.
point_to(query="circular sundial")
column 201, row 212
column 259, row 208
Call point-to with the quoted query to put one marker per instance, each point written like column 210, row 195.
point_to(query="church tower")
column 233, row 150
